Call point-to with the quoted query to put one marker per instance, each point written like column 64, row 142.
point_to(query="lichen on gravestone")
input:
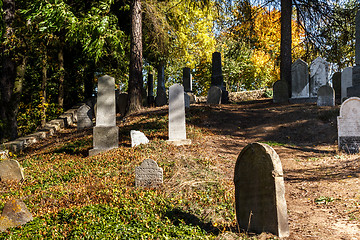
column 15, row 213
column 148, row 174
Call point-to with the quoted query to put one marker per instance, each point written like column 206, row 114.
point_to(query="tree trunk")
column 135, row 76
column 43, row 91
column 8, row 126
column 61, row 76
column 285, row 44
column 89, row 81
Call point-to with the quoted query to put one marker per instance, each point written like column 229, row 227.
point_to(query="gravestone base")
column 349, row 144
column 303, row 100
column 179, row 142
column 105, row 138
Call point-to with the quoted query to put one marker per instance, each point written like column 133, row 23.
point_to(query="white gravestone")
column 138, row 138
column 299, row 79
column 177, row 128
column 105, row 133
column 148, row 174
column 346, row 81
column 326, row 96
column 349, row 125
column 319, row 75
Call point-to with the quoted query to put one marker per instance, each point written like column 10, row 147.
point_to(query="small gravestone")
column 326, row 96
column 84, row 117
column 15, row 213
column 214, row 95
column 10, row 170
column 187, row 79
column 346, row 82
column 122, row 103
column 177, row 128
column 319, row 73
column 138, row 138
column 349, row 125
column 299, row 79
column 148, row 174
column 161, row 98
column 280, row 92
column 260, row 191
column 105, row 133
column 336, row 80
column 187, row 100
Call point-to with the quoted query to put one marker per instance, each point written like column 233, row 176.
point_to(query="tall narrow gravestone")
column 148, row 174
column 187, row 79
column 354, row 90
column 326, row 96
column 319, row 73
column 177, row 129
column 349, row 125
column 105, row 133
column 260, row 191
column 150, row 92
column 299, row 79
column 336, row 80
column 217, row 78
column 346, row 82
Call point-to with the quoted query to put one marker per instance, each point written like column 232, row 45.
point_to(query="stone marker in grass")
column 148, row 174
column 15, row 213
column 138, row 138
column 10, row 170
column 84, row 117
column 260, row 191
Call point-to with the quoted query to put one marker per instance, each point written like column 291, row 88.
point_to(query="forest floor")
column 322, row 184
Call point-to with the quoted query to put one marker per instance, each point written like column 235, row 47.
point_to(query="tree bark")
column 61, row 76
column 285, row 44
column 135, row 76
column 8, row 126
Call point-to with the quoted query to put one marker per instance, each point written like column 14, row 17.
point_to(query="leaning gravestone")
column 346, row 82
column 280, row 92
column 84, row 117
column 148, row 174
column 349, row 125
column 10, row 170
column 336, row 80
column 299, row 79
column 214, row 95
column 105, row 133
column 177, row 129
column 260, row 191
column 15, row 213
column 326, row 96
column 319, row 73
column 138, row 138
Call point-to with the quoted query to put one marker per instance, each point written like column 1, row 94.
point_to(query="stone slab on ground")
column 10, row 170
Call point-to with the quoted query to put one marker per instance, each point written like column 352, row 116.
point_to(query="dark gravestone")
column 280, row 92
column 299, row 79
column 326, row 96
column 260, row 191
column 148, row 174
column 217, row 78
column 346, row 82
column 214, row 95
column 161, row 98
column 150, row 92
column 354, row 91
column 122, row 103
column 336, row 80
column 84, row 117
column 187, row 79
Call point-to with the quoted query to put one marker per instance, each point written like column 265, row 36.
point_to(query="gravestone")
column 15, row 213
column 84, row 117
column 299, row 79
column 10, row 170
column 349, row 125
column 187, row 100
column 214, row 95
column 217, row 78
column 326, row 96
column 187, row 79
column 336, row 80
column 280, row 92
column 260, row 191
column 161, row 98
column 319, row 73
column 150, row 95
column 177, row 129
column 138, row 138
column 148, row 174
column 121, row 103
column 105, row 133
column 346, row 82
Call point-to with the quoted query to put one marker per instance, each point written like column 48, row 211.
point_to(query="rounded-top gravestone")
column 326, row 96
column 280, row 92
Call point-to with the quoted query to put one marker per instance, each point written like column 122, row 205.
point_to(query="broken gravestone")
column 138, row 138
column 10, row 170
column 148, row 174
column 15, row 213
column 260, row 191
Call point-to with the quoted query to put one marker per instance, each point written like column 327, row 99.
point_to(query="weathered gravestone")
column 299, row 79
column 326, row 96
column 150, row 92
column 10, row 170
column 15, row 213
column 280, row 92
column 177, row 129
column 260, row 191
column 214, row 95
column 187, row 100
column 105, row 133
column 84, row 117
column 346, row 82
column 161, row 98
column 217, row 78
column 138, row 138
column 336, row 80
column 319, row 73
column 148, row 174
column 349, row 125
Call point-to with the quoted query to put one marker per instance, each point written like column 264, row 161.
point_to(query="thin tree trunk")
column 8, row 126
column 61, row 76
column 285, row 44
column 43, row 91
column 135, row 76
